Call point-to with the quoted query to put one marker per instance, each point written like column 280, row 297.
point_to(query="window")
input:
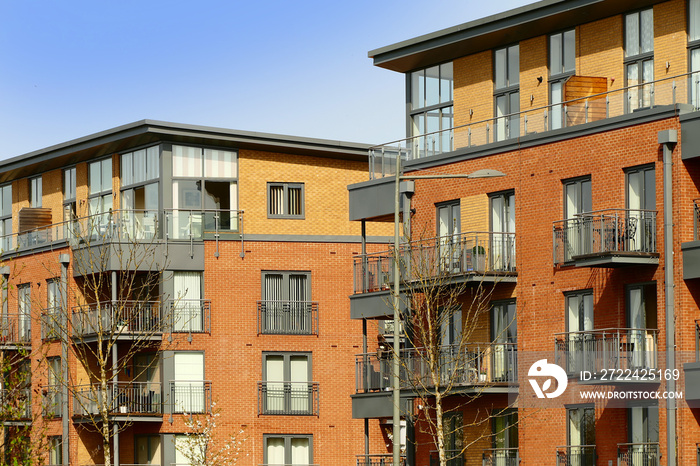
column 642, row 322
column 639, row 58
column 502, row 231
column 504, row 334
column 287, row 449
column 643, row 435
column 52, row 318
column 579, row 321
column 70, row 205
column 285, row 200
column 507, row 92
column 188, row 389
column 287, row 387
column 504, row 426
column 55, row 450
column 100, row 194
column 188, row 306
column 148, row 450
column 52, row 395
column 140, row 194
column 578, row 198
column 24, row 314
column 431, row 113
column 448, row 232
column 286, row 307
column 562, row 65
column 580, row 430
column 35, row 192
column 454, row 438
column 694, row 50
column 641, row 202
column 6, row 216
column 204, row 179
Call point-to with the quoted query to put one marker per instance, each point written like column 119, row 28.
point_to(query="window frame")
column 576, row 181
column 508, row 91
column 581, row 294
column 288, row 446
column 507, row 330
column 55, row 450
column 36, row 192
column 693, row 46
column 103, row 193
column 286, row 274
column 559, row 77
column 285, row 200
column 419, row 112
column 6, row 217
column 574, row 407
column 286, row 355
column 638, row 59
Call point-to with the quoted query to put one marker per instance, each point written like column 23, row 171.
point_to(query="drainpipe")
column 115, row 365
column 668, row 139
column 64, row 260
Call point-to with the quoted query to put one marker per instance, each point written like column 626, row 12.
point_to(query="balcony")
column 190, row 316
column 454, row 458
column 606, row 238
column 591, row 354
column 592, row 109
column 472, row 255
column 118, row 319
column 576, row 455
column 287, row 317
column 129, row 399
column 385, row 459
column 633, row 454
column 190, row 396
column 15, row 331
column 481, row 365
column 288, row 398
column 17, row 405
column 500, row 457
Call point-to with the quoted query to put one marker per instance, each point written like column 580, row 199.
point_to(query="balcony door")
column 148, row 449
column 580, row 433
column 504, row 335
column 147, row 378
column 505, row 438
column 451, row 361
column 453, row 428
column 642, row 317
column 503, row 232
column 286, row 302
column 640, row 228
column 188, row 385
column 187, row 306
column 643, row 430
column 579, row 319
column 25, row 306
column 578, row 199
column 448, row 230
column 287, row 379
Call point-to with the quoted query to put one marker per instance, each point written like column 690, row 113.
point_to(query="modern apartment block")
column 589, row 241
column 158, row 269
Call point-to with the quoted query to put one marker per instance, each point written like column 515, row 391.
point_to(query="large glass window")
column 288, row 449
column 504, row 334
column 286, row 307
column 507, row 92
column 100, row 195
column 580, row 430
column 579, row 322
column 502, row 231
column 140, row 194
column 562, row 65
column 641, row 204
column 639, row 58
column 205, row 191
column 431, row 115
column 286, row 387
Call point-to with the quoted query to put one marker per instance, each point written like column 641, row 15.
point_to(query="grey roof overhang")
column 146, row 132
column 497, row 30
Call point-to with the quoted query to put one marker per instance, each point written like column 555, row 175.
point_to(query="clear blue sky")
column 74, row 67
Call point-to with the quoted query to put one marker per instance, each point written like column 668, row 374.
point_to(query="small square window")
column 285, row 200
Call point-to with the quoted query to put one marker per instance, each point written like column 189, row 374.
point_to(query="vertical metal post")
column 64, row 260
column 396, row 395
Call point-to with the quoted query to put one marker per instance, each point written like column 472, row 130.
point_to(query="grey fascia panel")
column 691, row 260
column 692, row 381
column 375, row 305
column 372, row 198
column 690, row 136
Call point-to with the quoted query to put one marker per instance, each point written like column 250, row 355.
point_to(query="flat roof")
column 498, row 30
column 144, row 132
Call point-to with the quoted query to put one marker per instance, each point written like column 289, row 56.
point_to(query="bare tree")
column 448, row 346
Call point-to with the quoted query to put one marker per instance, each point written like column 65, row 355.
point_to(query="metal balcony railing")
column 385, row 459
column 576, row 455
column 638, row 454
column 133, row 398
column 288, row 398
column 52, row 324
column 454, row 458
column 288, row 317
column 612, row 231
column 118, row 318
column 17, row 403
column 603, row 349
column 500, row 457
column 190, row 396
column 15, row 329
column 666, row 91
column 474, row 364
column 471, row 253
column 190, row 316
column 128, row 225
column 52, row 401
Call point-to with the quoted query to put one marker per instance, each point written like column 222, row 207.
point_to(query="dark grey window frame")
column 577, row 293
column 576, row 181
column 443, row 109
column 285, row 280
column 506, row 91
column 103, row 193
column 288, row 446
column 69, row 193
column 639, row 59
column 5, row 216
column 572, row 407
column 36, row 191
column 287, row 369
column 693, row 45
column 559, row 76
column 514, row 321
column 286, row 186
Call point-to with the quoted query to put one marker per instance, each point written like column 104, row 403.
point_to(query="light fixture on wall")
column 532, row 98
column 471, row 111
column 539, row 79
column 668, row 65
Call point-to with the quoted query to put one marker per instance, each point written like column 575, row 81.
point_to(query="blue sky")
column 71, row 68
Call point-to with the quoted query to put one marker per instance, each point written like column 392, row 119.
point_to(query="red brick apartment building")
column 590, row 240
column 184, row 267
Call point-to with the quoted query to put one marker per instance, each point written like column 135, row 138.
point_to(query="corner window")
column 562, row 65
column 286, row 387
column 285, row 200
column 639, row 58
column 35, row 192
column 507, row 92
column 287, row 449
column 431, row 113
